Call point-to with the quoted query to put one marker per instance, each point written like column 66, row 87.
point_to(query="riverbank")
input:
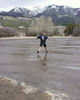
column 31, row 37
column 11, row 90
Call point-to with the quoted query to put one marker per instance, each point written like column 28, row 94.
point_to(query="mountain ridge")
column 59, row 14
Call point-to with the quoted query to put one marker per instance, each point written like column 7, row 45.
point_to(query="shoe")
column 37, row 51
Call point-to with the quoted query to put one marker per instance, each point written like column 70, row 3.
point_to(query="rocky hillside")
column 62, row 15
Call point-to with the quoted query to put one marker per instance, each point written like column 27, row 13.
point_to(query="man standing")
column 43, row 39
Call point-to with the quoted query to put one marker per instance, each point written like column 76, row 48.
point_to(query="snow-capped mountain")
column 60, row 14
column 18, row 12
column 37, row 9
column 51, row 9
column 61, row 10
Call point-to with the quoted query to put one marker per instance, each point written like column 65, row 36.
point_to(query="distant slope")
column 62, row 15
column 18, row 12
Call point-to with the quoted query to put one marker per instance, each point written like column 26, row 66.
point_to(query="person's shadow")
column 43, row 61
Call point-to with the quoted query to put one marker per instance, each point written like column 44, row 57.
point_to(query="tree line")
column 29, row 27
column 73, row 30
column 36, row 26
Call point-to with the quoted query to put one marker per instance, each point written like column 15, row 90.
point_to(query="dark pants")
column 43, row 44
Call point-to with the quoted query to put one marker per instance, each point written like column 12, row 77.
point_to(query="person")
column 43, row 39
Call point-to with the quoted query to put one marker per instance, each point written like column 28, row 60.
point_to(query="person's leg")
column 39, row 48
column 45, row 48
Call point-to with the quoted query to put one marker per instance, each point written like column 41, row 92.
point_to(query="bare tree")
column 76, row 31
column 42, row 24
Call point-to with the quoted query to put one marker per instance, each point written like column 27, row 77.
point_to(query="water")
column 59, row 70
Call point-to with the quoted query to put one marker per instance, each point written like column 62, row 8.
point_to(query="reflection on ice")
column 43, row 58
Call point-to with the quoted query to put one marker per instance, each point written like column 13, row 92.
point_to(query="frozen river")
column 59, row 70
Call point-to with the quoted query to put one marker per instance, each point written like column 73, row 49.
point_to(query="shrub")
column 7, row 32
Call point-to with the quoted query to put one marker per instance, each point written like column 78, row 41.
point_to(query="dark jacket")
column 42, row 41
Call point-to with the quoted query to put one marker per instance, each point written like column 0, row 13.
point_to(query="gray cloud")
column 8, row 4
column 16, row 3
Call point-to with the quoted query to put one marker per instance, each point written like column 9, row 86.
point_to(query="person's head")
column 44, row 34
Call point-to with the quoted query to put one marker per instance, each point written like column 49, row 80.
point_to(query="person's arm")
column 38, row 37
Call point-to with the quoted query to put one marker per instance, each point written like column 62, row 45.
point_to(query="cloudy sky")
column 9, row 4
